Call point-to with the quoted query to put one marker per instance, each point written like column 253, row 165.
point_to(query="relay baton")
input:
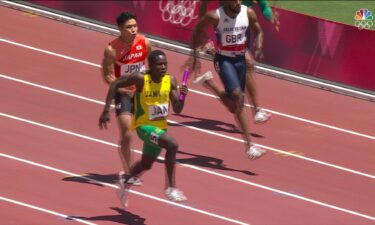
column 184, row 81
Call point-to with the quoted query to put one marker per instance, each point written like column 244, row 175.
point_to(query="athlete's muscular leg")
column 240, row 115
column 126, row 156
column 212, row 86
column 170, row 144
column 250, row 81
column 142, row 165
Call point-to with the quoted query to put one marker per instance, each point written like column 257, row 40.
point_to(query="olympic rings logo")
column 363, row 24
column 178, row 12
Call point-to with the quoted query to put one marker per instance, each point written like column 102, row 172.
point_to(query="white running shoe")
column 202, row 78
column 255, row 152
column 123, row 189
column 136, row 181
column 175, row 195
column 261, row 116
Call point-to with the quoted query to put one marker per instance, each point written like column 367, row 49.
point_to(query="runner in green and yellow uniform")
column 155, row 90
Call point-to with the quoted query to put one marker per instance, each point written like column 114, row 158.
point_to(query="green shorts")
column 150, row 135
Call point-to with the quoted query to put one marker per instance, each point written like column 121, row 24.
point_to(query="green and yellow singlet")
column 151, row 105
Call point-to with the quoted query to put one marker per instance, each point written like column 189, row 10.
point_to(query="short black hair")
column 123, row 17
column 153, row 55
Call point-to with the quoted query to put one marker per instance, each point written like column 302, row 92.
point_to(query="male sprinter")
column 124, row 55
column 155, row 90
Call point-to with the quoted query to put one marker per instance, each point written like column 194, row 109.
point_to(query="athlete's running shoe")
column 123, row 190
column 202, row 78
column 261, row 116
column 255, row 152
column 175, row 195
column 136, row 181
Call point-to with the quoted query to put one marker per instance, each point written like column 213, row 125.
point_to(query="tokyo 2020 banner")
column 307, row 45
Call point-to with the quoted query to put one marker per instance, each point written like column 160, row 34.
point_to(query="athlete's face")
column 129, row 29
column 160, row 66
column 233, row 5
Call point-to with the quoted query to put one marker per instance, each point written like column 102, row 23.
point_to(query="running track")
column 57, row 167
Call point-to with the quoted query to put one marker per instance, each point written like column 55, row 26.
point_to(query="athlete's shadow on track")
column 213, row 125
column 93, row 178
column 209, row 162
column 196, row 160
column 123, row 217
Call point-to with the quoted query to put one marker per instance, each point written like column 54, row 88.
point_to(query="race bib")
column 130, row 68
column 158, row 112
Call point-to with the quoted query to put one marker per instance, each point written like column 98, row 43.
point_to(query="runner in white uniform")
column 230, row 23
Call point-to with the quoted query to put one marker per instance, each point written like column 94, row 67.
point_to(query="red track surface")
column 243, row 191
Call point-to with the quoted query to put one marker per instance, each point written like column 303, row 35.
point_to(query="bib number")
column 130, row 68
column 233, row 38
column 158, row 112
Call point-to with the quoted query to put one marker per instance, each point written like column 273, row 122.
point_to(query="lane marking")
column 32, row 15
column 199, row 92
column 67, row 173
column 191, row 127
column 266, row 110
column 280, row 151
column 181, row 49
column 44, row 210
column 271, row 111
column 292, row 152
column 50, row 53
column 189, row 207
column 51, row 89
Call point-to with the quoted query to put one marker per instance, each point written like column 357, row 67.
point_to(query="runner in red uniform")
column 123, row 56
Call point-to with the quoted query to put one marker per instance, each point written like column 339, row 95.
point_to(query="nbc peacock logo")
column 363, row 19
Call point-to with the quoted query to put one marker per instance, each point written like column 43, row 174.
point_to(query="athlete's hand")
column 258, row 46
column 109, row 78
column 184, row 89
column 193, row 64
column 209, row 48
column 104, row 119
column 258, row 53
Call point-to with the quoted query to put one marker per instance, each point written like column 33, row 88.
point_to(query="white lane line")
column 199, row 92
column 201, row 130
column 49, row 52
column 297, row 118
column 281, row 151
column 132, row 191
column 44, row 210
column 181, row 49
column 50, row 89
column 194, row 209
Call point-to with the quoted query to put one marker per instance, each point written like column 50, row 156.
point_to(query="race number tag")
column 130, row 68
column 158, row 112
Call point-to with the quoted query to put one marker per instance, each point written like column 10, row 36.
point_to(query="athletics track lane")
column 65, row 148
column 212, row 102
column 283, row 132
